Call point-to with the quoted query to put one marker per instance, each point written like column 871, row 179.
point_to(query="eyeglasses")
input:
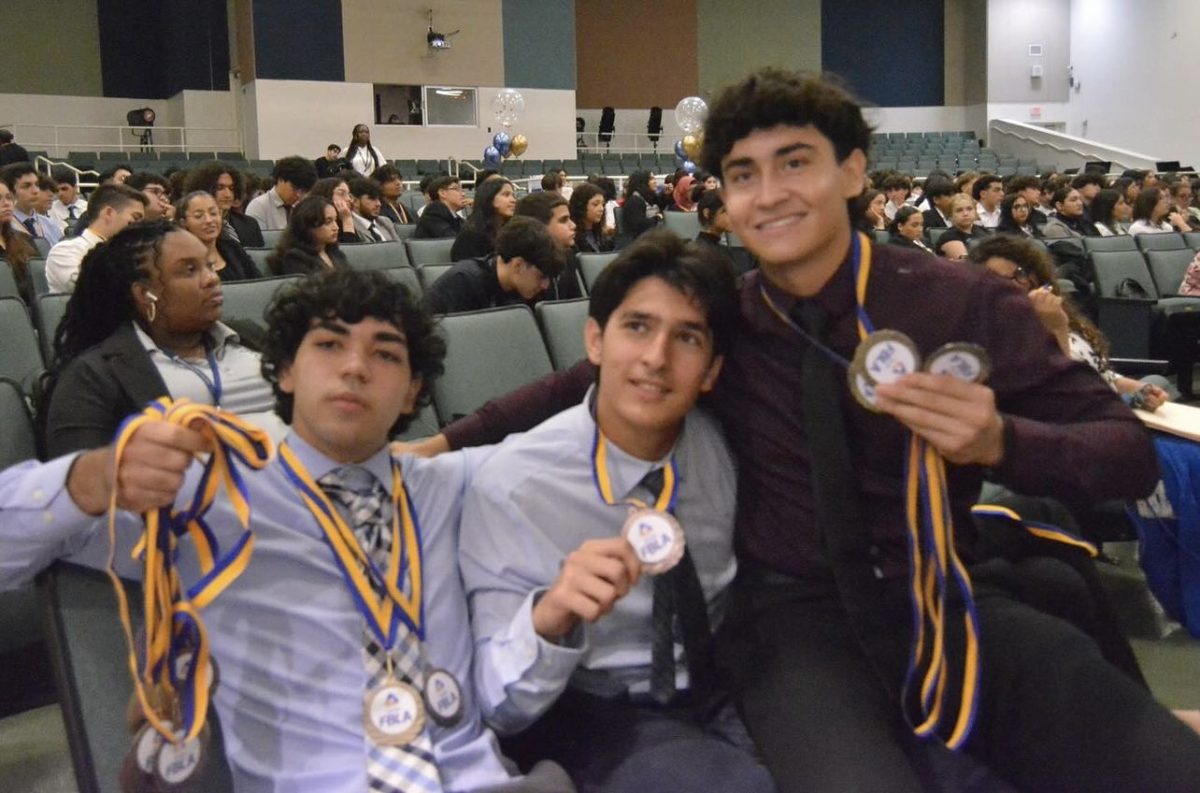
column 1019, row 275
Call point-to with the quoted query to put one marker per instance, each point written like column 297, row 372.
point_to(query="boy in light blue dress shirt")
column 350, row 355
column 566, row 617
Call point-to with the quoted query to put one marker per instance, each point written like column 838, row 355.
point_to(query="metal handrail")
column 1013, row 129
column 24, row 132
column 48, row 166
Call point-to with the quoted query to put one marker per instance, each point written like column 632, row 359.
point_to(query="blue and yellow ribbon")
column 382, row 611
column 603, row 480
column 1046, row 531
column 172, row 616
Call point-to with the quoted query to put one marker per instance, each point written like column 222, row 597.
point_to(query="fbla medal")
column 146, row 744
column 183, row 664
column 887, row 355
column 177, row 763
column 656, row 537
column 862, row 389
column 393, row 713
column 965, row 361
column 443, row 697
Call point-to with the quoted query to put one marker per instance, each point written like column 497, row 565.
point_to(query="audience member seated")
column 1014, row 216
column 47, row 190
column 714, row 225
column 309, row 244
column 1111, row 213
column 391, row 186
column 363, row 157
column 336, row 191
column 611, row 205
column 112, row 208
column 11, row 151
column 293, row 177
column 495, row 204
column 908, row 229
column 707, row 181
column 68, row 206
column 938, row 192
column 1031, row 188
column 440, row 218
column 198, row 213
column 228, row 186
column 1069, row 219
column 1181, row 201
column 1153, row 214
column 552, row 182
column 157, row 190
column 332, row 163
column 551, row 209
column 1032, row 269
column 640, row 212
column 1088, row 183
column 954, row 241
column 21, row 179
column 573, row 657
column 587, row 211
column 868, row 212
column 988, row 191
column 117, row 174
column 16, row 249
column 526, row 262
column 144, row 322
column 965, row 183
column 896, row 188
column 682, row 194
column 366, row 199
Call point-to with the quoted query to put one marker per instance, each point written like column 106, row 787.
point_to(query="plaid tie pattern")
column 367, row 509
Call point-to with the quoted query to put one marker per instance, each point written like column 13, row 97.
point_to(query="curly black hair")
column 349, row 296
column 772, row 97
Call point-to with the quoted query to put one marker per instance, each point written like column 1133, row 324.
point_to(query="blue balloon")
column 689, row 166
column 502, row 142
column 491, row 156
column 679, row 151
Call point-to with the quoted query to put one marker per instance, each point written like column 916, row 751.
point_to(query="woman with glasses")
column 1032, row 270
column 1014, row 216
column 199, row 213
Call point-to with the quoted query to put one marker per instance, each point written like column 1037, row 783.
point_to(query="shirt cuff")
column 44, row 489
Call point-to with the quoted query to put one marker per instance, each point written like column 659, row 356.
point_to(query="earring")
column 152, row 312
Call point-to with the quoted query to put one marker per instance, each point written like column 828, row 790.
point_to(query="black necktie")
column 71, row 213
column 31, row 224
column 836, row 509
column 373, row 232
column 678, row 600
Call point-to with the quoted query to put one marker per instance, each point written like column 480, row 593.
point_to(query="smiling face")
column 786, row 194
column 349, row 383
column 655, row 355
column 203, row 218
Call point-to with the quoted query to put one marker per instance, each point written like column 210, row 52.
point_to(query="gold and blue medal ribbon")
column 1046, row 531
column 172, row 620
column 934, row 564
column 603, row 480
column 382, row 611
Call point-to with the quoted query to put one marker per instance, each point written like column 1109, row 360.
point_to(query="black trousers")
column 1054, row 715
column 616, row 746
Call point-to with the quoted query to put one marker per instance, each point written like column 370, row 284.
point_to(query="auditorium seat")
column 562, row 324
column 592, row 264
column 248, row 300
column 1168, row 267
column 1160, row 242
column 20, row 357
column 375, row 255
column 423, row 252
column 1121, row 242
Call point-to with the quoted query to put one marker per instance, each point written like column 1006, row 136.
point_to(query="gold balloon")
column 518, row 145
column 692, row 144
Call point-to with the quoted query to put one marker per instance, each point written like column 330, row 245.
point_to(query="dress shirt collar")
column 835, row 298
column 92, row 237
column 625, row 471
column 219, row 335
column 276, row 201
column 379, row 464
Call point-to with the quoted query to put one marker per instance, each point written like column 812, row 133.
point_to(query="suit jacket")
column 933, row 219
column 97, row 390
column 382, row 225
column 247, row 229
column 298, row 261
column 238, row 264
column 437, row 222
column 394, row 212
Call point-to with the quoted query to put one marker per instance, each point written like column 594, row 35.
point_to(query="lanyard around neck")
column 213, row 384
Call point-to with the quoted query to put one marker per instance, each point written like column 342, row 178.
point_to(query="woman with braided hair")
column 143, row 323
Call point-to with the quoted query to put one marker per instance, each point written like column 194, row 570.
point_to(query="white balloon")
column 508, row 106
column 690, row 114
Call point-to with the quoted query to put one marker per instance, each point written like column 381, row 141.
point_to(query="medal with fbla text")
column 178, row 763
column 656, row 537
column 443, row 697
column 393, row 713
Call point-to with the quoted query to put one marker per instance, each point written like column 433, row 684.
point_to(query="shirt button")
column 47, row 517
column 874, row 551
column 37, row 494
